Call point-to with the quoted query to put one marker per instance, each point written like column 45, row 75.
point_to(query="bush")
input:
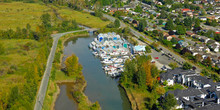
column 2, row 49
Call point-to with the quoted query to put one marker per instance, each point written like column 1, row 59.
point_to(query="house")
column 200, row 94
column 169, row 37
column 139, row 49
column 214, row 47
column 190, row 34
column 202, row 18
column 177, row 75
column 183, row 43
column 197, row 1
column 202, row 47
column 189, row 13
column 185, row 10
column 191, row 98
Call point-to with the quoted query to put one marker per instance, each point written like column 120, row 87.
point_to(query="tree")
column 173, row 65
column 160, row 22
column 169, row 25
column 174, row 41
column 163, row 15
column 2, row 49
column 138, row 9
column 188, row 22
column 151, row 16
column 117, row 23
column 147, row 68
column 168, row 102
column 178, row 46
column 205, row 73
column 187, row 66
column 141, row 78
column 72, row 65
column 142, row 25
column 198, row 58
column 98, row 13
column 46, row 20
column 197, row 23
column 148, row 49
column 207, row 61
column 177, row 21
column 181, row 30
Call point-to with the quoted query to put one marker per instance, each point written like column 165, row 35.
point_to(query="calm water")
column 100, row 87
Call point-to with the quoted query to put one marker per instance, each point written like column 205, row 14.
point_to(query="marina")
column 113, row 51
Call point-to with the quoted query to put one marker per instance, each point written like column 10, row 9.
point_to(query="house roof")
column 187, row 92
column 186, row 9
column 202, row 80
column 170, row 73
column 189, row 33
column 210, row 107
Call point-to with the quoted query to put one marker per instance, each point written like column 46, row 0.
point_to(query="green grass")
column 15, row 55
column 18, row 14
column 174, row 87
column 82, row 18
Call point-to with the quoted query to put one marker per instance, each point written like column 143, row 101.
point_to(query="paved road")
column 44, row 83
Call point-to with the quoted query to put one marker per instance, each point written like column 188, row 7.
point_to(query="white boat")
column 95, row 53
column 119, row 60
column 107, row 62
column 90, row 46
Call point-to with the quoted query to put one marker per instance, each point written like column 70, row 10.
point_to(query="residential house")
column 169, row 37
column 183, row 43
column 190, row 34
column 202, row 93
column 202, row 18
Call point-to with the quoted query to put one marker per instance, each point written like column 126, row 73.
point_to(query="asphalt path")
column 44, row 82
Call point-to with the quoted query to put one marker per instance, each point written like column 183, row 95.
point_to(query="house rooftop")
column 170, row 73
column 187, row 92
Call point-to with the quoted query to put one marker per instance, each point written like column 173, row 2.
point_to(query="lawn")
column 174, row 87
column 18, row 14
column 15, row 61
column 82, row 18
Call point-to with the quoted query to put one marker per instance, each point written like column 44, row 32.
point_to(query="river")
column 100, row 87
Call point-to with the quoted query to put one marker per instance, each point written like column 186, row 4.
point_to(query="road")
column 44, row 83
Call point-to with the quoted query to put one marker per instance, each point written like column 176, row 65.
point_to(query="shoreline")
column 130, row 97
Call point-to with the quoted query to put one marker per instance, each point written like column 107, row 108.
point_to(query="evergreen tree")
column 168, row 102
column 117, row 23
column 142, row 25
column 181, row 30
column 187, row 66
column 169, row 25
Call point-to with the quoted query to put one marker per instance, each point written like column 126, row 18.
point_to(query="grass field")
column 18, row 14
column 14, row 62
column 83, row 18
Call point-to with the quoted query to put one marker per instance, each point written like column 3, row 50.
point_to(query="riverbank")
column 58, row 77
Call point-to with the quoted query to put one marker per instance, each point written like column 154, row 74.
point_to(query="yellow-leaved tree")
column 147, row 68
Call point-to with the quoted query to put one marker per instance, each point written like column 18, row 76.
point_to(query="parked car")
column 156, row 57
column 152, row 61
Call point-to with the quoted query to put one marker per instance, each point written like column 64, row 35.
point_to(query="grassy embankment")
column 73, row 83
column 18, row 14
